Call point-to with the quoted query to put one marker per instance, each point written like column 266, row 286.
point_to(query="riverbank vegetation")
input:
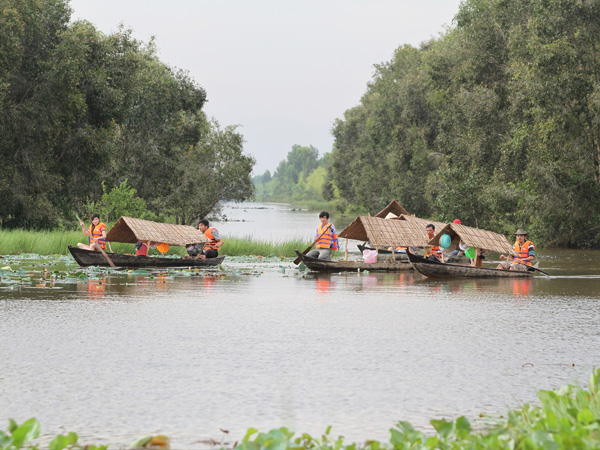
column 496, row 122
column 56, row 242
column 567, row 418
column 83, row 113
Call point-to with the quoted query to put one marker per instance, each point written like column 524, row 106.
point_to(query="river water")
column 115, row 355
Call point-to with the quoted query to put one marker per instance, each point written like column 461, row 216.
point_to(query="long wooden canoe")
column 436, row 269
column 91, row 258
column 323, row 265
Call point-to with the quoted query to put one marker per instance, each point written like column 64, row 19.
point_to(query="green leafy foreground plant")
column 20, row 436
column 567, row 418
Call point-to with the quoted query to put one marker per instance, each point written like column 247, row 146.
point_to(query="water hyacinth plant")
column 567, row 418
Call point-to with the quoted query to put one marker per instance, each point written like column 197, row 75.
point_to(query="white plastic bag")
column 370, row 256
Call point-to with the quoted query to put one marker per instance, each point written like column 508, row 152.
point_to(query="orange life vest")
column 329, row 238
column 433, row 250
column 96, row 233
column 212, row 242
column 523, row 251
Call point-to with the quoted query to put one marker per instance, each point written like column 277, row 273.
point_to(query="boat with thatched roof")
column 132, row 230
column 469, row 237
column 381, row 233
column 437, row 269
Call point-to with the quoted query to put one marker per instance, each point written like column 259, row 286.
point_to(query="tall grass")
column 56, row 242
column 250, row 246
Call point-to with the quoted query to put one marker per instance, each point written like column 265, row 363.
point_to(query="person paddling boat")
column 96, row 233
column 328, row 240
column 526, row 251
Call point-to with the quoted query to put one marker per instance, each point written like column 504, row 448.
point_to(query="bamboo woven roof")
column 131, row 230
column 394, row 207
column 475, row 237
column 386, row 232
column 423, row 222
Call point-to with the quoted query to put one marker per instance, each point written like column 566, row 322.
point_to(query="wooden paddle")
column 531, row 267
column 539, row 270
column 110, row 263
column 298, row 259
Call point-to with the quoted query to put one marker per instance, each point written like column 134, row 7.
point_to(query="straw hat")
column 521, row 231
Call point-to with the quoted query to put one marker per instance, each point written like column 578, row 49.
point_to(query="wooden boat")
column 323, row 265
column 91, row 258
column 436, row 269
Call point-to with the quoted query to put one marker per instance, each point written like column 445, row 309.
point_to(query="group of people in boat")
column 96, row 233
column 326, row 241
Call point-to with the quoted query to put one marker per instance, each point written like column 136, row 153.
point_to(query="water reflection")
column 268, row 345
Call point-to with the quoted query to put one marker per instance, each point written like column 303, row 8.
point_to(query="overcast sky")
column 282, row 70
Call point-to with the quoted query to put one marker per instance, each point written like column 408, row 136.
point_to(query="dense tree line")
column 298, row 178
column 497, row 122
column 82, row 112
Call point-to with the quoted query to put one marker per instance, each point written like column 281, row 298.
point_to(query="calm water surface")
column 262, row 344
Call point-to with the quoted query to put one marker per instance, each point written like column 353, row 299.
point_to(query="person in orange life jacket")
column 96, row 233
column 433, row 253
column 525, row 250
column 211, row 248
column 327, row 242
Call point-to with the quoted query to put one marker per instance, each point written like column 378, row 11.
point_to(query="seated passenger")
column 211, row 248
column 525, row 250
column 432, row 253
column 96, row 233
column 328, row 240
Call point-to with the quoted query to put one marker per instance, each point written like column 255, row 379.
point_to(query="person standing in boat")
column 327, row 242
column 524, row 248
column 433, row 253
column 96, row 233
column 211, row 249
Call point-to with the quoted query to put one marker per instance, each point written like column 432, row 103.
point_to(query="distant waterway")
column 276, row 222
column 114, row 355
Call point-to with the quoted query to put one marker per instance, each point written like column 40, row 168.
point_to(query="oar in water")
column 298, row 259
column 539, row 270
column 110, row 263
column 532, row 267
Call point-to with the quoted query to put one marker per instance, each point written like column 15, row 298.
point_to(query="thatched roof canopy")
column 386, row 233
column 394, row 207
column 131, row 230
column 423, row 222
column 474, row 237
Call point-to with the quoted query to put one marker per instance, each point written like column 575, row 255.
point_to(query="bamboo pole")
column 346, row 250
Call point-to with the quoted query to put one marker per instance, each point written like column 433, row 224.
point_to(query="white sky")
column 282, row 70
